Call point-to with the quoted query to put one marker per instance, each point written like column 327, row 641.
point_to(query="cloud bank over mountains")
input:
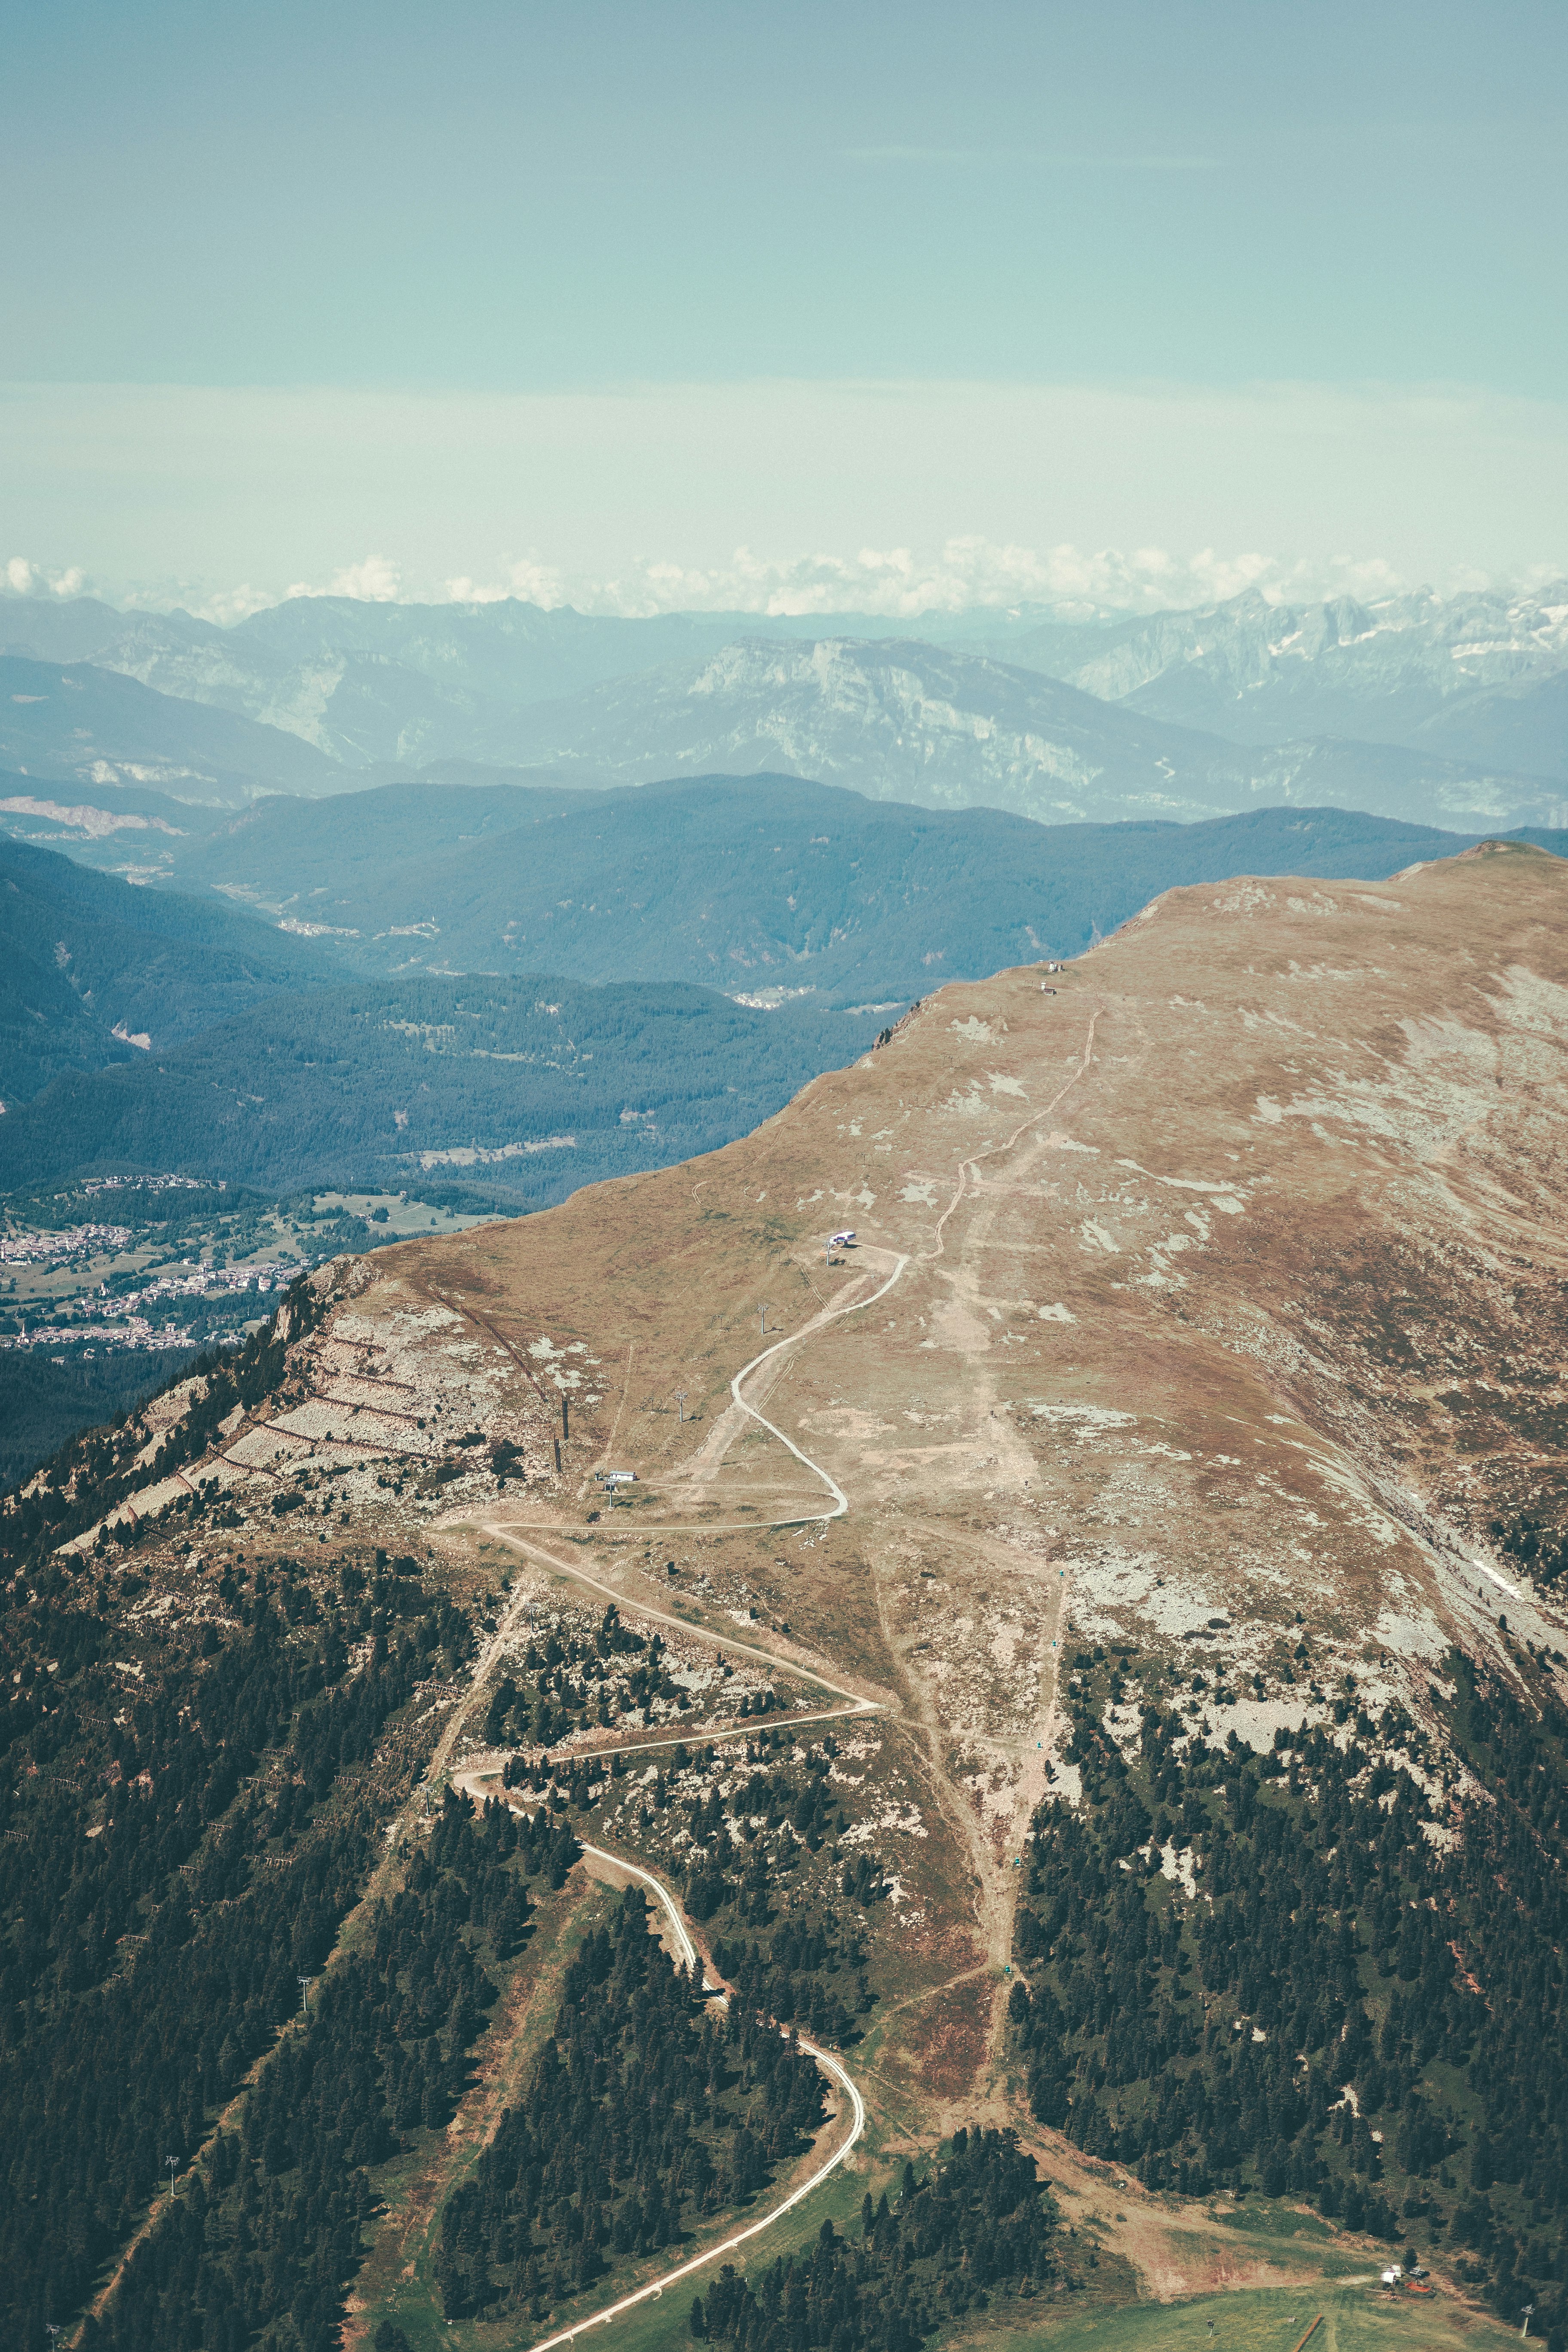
column 971, row 574
column 782, row 498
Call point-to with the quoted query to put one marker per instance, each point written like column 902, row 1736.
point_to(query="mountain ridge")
column 898, row 719
column 1424, row 694
column 1423, row 671
column 75, row 722
column 771, row 889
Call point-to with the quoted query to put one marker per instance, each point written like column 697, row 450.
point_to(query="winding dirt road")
column 473, row 1783
column 833, row 2067
column 521, row 1535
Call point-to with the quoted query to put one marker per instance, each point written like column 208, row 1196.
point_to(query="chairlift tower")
column 173, row 2164
column 305, row 1982
column 680, row 1405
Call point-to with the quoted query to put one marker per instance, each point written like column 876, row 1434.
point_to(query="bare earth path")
column 837, row 2073
column 520, row 1534
column 858, row 1703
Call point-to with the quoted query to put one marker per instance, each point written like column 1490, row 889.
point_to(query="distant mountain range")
column 404, row 684
column 368, row 682
column 1481, row 677
column 899, row 720
column 771, row 889
column 893, row 719
column 1432, row 711
column 86, row 725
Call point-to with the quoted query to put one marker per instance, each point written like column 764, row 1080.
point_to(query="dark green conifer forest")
column 974, row 2226
column 168, row 1872
column 263, row 2247
column 648, row 2110
column 1359, row 1999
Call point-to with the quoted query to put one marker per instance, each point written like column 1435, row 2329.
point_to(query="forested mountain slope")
column 152, row 1030
column 533, row 1085
column 764, row 886
column 1222, row 1347
column 84, row 956
column 80, row 724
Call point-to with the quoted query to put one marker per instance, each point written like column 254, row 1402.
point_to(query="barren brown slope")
column 1234, row 1291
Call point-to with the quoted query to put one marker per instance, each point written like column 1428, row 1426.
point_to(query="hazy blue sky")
column 432, row 284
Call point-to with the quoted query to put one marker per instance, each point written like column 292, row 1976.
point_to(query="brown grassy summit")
column 1228, row 1325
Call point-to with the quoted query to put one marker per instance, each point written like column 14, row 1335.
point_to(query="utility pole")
column 762, row 1321
column 680, row 1405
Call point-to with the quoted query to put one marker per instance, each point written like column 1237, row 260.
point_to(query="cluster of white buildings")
column 195, row 1280
column 124, row 1321
column 75, row 1241
column 135, row 1331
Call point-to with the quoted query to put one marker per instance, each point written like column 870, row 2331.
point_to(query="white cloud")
column 226, row 605
column 899, row 584
column 781, row 497
column 534, row 584
column 26, row 579
column 896, row 585
column 375, row 580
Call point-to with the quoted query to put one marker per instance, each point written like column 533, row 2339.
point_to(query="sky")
column 653, row 304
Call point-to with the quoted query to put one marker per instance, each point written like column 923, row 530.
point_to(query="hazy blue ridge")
column 281, row 852
column 761, row 885
column 81, row 724
column 900, row 720
column 83, row 953
column 124, row 827
column 1526, row 727
column 806, row 887
column 1189, row 713
column 144, row 834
